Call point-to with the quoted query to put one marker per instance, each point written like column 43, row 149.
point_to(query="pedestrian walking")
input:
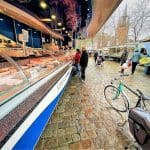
column 95, row 56
column 135, row 60
column 77, row 61
column 83, row 63
column 100, row 59
column 123, row 59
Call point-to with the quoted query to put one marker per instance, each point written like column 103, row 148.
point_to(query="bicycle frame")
column 121, row 87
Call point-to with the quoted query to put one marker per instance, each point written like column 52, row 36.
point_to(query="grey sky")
column 131, row 5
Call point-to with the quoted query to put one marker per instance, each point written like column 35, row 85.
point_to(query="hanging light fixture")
column 63, row 28
column 43, row 4
column 59, row 24
column 53, row 16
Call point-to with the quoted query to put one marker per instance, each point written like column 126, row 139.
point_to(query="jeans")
column 77, row 68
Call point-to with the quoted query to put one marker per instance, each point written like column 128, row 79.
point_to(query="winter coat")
column 84, row 59
column 77, row 57
column 136, row 57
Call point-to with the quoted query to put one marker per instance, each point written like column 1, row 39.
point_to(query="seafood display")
column 30, row 70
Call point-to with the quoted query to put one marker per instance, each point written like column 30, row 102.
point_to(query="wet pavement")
column 83, row 119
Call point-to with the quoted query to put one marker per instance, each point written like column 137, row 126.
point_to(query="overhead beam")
column 102, row 10
column 26, row 18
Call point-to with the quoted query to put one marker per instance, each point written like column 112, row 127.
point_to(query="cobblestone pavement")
column 83, row 119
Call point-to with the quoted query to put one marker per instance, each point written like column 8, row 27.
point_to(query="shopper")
column 83, row 63
column 95, row 56
column 135, row 60
column 123, row 59
column 77, row 61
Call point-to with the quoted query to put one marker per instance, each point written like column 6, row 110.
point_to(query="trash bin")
column 147, row 69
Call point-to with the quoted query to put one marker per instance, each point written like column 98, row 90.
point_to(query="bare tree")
column 139, row 19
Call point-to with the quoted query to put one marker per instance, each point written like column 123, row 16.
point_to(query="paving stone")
column 63, row 148
column 64, row 140
column 84, row 135
column 71, row 130
column 50, row 143
column 91, row 133
column 75, row 146
column 86, row 144
column 48, row 133
column 76, row 137
column 61, row 132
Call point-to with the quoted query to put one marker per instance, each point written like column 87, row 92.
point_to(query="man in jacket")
column 135, row 60
column 83, row 63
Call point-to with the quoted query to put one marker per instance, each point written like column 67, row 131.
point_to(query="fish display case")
column 30, row 88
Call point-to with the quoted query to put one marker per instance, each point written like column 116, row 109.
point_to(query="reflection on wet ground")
column 83, row 118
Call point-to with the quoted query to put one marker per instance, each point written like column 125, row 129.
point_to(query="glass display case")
column 18, row 73
column 30, row 89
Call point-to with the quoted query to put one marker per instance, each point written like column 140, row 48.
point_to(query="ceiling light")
column 1, row 10
column 88, row 9
column 53, row 16
column 43, row 4
column 59, row 23
column 86, row 0
column 1, row 19
column 63, row 28
column 66, row 31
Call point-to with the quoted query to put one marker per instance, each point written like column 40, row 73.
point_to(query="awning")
column 27, row 19
column 102, row 10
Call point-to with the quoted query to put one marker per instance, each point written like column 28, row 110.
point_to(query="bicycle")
column 120, row 102
column 118, row 99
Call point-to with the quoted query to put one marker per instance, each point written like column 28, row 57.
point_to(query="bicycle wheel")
column 116, row 99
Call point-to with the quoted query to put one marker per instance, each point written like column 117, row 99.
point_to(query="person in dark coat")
column 95, row 56
column 83, row 63
column 123, row 59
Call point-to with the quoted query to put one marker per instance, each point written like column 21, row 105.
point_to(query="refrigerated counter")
column 30, row 89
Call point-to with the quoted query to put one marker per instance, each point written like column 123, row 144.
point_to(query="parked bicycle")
column 118, row 99
column 138, row 118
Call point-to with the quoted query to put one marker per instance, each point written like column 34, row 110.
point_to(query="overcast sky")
column 131, row 4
